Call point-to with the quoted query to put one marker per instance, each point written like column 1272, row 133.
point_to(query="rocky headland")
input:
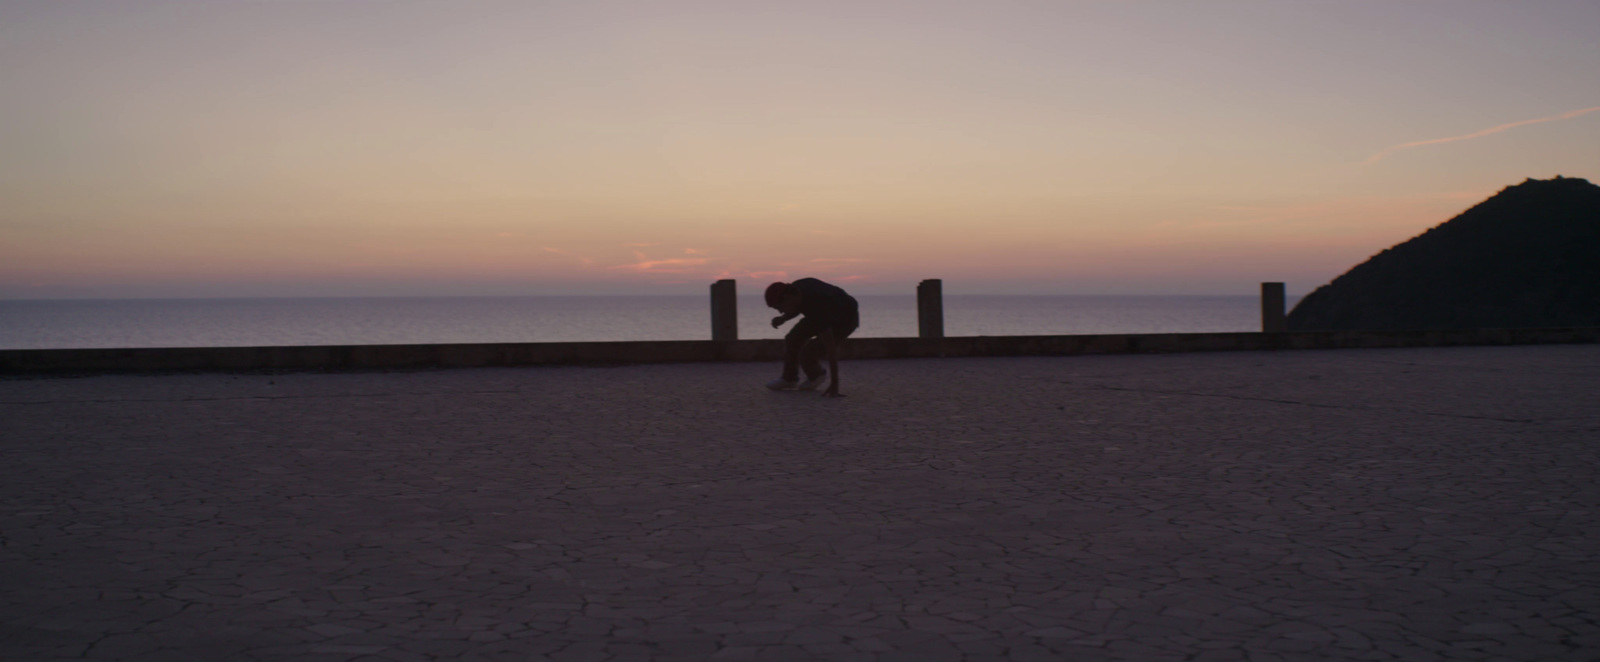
column 1527, row 257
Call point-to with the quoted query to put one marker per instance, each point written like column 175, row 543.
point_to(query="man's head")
column 784, row 297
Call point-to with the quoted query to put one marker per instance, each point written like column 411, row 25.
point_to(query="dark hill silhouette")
column 1527, row 257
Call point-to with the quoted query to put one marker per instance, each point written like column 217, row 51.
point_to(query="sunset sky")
column 372, row 147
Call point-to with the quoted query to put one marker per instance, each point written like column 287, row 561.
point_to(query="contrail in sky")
column 1491, row 130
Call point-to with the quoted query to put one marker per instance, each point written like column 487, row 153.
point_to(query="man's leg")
column 796, row 343
column 847, row 326
column 833, row 337
column 811, row 357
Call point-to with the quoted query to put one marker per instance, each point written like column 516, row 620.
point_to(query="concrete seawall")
column 378, row 357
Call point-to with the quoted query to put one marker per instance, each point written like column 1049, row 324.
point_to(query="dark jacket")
column 826, row 303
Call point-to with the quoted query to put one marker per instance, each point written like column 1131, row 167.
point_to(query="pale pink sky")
column 357, row 147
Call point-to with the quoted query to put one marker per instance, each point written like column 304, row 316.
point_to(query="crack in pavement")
column 1319, row 405
column 256, row 397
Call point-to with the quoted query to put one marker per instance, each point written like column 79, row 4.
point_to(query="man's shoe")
column 812, row 383
column 781, row 384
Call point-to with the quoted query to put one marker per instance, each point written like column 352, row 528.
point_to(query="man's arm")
column 832, row 343
column 779, row 320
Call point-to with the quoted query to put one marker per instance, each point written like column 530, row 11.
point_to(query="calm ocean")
column 253, row 322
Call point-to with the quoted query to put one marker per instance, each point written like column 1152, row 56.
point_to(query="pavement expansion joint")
column 315, row 396
column 1300, row 403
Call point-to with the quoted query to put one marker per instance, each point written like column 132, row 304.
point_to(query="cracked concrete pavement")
column 1407, row 504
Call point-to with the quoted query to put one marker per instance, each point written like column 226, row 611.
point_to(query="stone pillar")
column 724, row 310
column 1273, row 319
column 930, row 308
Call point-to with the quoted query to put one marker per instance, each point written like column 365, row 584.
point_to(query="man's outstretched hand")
column 778, row 321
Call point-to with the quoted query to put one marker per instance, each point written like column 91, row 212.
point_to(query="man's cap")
column 775, row 293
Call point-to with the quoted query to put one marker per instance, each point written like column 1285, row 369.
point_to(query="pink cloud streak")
column 1489, row 131
column 673, row 265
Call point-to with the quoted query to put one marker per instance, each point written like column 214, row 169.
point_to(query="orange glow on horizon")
column 254, row 149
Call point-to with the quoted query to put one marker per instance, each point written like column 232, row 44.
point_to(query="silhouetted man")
column 830, row 316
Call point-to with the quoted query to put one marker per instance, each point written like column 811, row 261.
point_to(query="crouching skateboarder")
column 830, row 316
